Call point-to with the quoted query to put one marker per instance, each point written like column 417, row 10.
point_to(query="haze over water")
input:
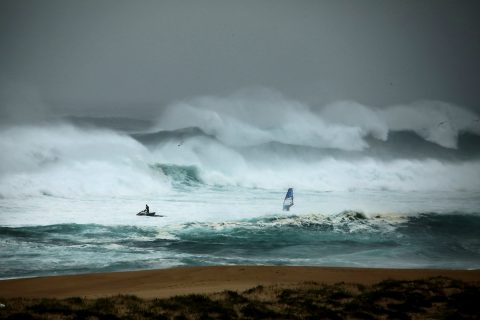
column 365, row 194
column 210, row 126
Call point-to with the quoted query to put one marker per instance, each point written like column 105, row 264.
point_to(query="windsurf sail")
column 288, row 201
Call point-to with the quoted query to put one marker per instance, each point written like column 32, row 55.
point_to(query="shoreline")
column 164, row 283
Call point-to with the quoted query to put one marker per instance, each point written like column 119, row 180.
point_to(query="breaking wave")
column 250, row 139
column 216, row 169
column 345, row 239
column 180, row 175
column 257, row 117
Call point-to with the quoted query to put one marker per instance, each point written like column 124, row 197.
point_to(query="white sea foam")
column 252, row 118
column 83, row 171
column 435, row 121
column 61, row 160
column 243, row 120
column 70, row 162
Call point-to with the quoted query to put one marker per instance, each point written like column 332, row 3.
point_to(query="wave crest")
column 257, row 117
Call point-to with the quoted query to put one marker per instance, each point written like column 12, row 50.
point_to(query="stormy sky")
column 131, row 57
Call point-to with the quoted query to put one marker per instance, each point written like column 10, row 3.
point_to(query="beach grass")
column 432, row 298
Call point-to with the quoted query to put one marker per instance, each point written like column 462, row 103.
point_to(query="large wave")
column 257, row 117
column 62, row 160
column 257, row 139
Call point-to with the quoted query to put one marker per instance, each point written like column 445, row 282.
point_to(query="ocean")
column 70, row 190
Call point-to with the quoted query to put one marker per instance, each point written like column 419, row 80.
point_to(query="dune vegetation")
column 434, row 298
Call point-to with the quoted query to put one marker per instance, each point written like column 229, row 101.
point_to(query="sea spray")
column 69, row 194
column 345, row 239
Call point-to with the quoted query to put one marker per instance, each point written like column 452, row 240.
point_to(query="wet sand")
column 186, row 280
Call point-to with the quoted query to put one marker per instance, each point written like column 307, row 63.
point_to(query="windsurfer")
column 288, row 201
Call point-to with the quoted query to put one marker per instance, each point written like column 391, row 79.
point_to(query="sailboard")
column 288, row 201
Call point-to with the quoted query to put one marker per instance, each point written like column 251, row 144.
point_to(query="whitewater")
column 374, row 187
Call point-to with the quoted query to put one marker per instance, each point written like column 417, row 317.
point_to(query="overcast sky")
column 106, row 54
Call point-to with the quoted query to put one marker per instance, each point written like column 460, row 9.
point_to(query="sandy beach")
column 178, row 281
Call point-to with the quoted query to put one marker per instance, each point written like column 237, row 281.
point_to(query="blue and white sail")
column 288, row 201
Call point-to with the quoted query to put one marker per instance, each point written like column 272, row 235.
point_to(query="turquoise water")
column 346, row 239
column 69, row 198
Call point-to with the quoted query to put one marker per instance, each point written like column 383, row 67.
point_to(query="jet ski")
column 144, row 213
